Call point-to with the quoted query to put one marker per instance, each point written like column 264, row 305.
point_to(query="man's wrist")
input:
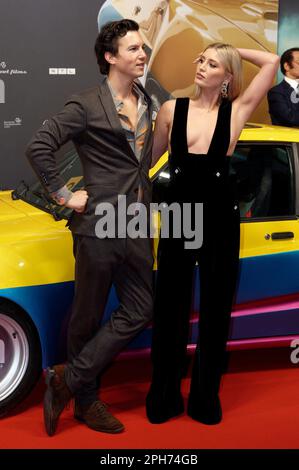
column 62, row 193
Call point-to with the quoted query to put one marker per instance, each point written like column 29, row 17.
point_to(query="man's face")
column 294, row 71
column 131, row 57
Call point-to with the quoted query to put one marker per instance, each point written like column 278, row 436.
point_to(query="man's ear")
column 286, row 67
column 111, row 59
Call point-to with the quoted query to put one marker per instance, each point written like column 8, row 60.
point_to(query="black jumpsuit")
column 202, row 178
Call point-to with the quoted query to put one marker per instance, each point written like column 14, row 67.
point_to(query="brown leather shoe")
column 98, row 418
column 56, row 397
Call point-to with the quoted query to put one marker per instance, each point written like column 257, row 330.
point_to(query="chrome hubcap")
column 14, row 355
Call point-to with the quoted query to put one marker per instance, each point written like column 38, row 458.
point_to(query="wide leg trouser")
column 218, row 260
column 127, row 263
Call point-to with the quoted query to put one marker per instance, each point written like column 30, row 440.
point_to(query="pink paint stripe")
column 263, row 306
column 291, row 305
column 273, row 342
column 257, row 343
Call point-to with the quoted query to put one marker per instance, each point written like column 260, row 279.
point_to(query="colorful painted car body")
column 36, row 279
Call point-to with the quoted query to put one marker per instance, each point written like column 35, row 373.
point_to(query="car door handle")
column 282, row 235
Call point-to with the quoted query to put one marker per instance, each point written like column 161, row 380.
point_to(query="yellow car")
column 37, row 265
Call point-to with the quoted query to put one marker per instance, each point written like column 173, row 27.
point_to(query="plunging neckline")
column 213, row 136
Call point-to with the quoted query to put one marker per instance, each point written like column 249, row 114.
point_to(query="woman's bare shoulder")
column 167, row 110
column 168, row 105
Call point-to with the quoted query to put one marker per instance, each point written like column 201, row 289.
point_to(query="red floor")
column 259, row 398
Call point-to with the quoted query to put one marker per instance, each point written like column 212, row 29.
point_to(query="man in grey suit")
column 110, row 126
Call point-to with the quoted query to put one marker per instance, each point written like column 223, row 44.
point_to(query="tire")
column 20, row 356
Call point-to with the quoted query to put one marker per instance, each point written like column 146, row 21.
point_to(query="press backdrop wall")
column 46, row 54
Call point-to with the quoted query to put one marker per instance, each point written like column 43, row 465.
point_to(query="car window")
column 264, row 181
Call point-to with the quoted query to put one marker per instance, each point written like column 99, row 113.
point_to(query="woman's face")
column 210, row 73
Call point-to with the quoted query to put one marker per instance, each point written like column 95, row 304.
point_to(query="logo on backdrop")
column 16, row 122
column 62, row 71
column 7, row 71
column 2, row 91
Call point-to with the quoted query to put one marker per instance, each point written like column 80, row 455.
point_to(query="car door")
column 269, row 231
column 265, row 303
column 268, row 287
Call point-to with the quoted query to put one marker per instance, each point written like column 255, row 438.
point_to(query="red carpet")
column 259, row 398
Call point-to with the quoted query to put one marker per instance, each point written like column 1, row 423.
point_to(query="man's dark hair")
column 107, row 40
column 287, row 57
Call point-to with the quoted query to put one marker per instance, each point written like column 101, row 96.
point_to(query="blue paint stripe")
column 262, row 277
column 268, row 276
column 48, row 306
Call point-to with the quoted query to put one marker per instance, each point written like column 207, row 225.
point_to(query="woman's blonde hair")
column 232, row 62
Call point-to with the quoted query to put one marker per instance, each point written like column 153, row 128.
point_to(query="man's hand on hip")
column 77, row 202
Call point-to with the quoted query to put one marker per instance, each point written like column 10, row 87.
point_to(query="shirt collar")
column 119, row 103
column 292, row 81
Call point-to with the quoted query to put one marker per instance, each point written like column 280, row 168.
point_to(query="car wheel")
column 20, row 356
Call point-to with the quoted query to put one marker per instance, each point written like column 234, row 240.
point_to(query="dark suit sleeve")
column 282, row 110
column 55, row 132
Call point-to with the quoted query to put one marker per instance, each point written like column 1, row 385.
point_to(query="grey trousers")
column 126, row 263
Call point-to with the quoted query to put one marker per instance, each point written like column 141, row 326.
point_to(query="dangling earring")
column 224, row 90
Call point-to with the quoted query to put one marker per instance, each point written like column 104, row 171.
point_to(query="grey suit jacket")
column 110, row 167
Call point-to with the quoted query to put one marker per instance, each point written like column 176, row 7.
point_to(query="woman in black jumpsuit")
column 207, row 179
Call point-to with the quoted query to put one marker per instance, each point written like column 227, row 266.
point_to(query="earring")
column 224, row 90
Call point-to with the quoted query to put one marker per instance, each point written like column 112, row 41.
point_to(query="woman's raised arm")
column 248, row 101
